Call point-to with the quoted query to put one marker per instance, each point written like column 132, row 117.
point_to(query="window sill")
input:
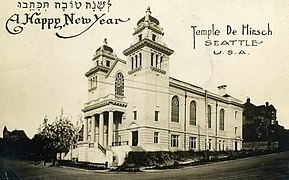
column 92, row 89
column 157, row 70
column 175, row 122
column 134, row 70
column 119, row 97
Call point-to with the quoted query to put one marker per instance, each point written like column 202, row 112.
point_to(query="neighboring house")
column 135, row 105
column 257, row 120
column 15, row 135
column 261, row 129
column 15, row 144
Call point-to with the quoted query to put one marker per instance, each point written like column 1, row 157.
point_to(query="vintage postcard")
column 146, row 75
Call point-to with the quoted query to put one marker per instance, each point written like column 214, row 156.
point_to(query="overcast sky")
column 41, row 73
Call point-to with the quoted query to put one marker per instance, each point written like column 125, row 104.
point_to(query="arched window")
column 93, row 82
column 119, row 84
column 131, row 62
column 140, row 59
column 193, row 111
column 152, row 59
column 222, row 119
column 175, row 109
column 135, row 61
column 157, row 60
column 209, row 116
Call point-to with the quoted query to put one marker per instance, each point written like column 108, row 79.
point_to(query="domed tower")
column 106, row 97
column 103, row 60
column 148, row 50
column 148, row 78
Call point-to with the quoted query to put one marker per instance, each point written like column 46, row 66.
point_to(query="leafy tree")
column 57, row 136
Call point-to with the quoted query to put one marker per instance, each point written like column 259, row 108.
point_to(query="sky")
column 41, row 73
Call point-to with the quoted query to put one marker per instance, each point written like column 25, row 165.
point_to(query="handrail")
column 101, row 148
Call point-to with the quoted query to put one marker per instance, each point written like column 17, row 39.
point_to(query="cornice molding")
column 150, row 26
column 96, row 69
column 103, row 104
column 149, row 43
column 201, row 92
column 98, row 54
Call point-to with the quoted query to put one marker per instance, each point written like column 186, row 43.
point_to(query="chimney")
column 248, row 100
column 222, row 90
column 267, row 104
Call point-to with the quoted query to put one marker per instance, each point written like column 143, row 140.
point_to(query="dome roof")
column 149, row 17
column 105, row 47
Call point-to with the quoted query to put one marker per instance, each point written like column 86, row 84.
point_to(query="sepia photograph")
column 123, row 89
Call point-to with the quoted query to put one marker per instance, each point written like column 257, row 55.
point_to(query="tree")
column 57, row 136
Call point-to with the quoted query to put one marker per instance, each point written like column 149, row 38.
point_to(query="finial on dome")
column 105, row 41
column 148, row 10
column 148, row 13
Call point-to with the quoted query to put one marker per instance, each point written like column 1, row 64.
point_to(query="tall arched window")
column 209, row 116
column 119, row 84
column 140, row 59
column 152, row 59
column 222, row 119
column 135, row 61
column 175, row 109
column 157, row 60
column 193, row 113
column 131, row 62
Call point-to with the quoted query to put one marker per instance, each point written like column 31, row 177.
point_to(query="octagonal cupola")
column 103, row 59
column 148, row 18
column 104, row 55
column 104, row 48
column 148, row 27
column 148, row 52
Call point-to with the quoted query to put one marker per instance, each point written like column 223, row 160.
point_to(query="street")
column 273, row 166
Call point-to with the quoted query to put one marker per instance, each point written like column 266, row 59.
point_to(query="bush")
column 168, row 159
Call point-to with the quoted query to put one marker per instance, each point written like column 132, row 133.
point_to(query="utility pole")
column 206, row 120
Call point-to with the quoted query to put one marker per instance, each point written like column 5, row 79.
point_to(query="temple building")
column 134, row 104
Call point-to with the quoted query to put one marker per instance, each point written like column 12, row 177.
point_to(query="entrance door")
column 134, row 138
column 236, row 146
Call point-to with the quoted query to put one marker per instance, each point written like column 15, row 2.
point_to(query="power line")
column 138, row 88
column 144, row 73
column 140, row 75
